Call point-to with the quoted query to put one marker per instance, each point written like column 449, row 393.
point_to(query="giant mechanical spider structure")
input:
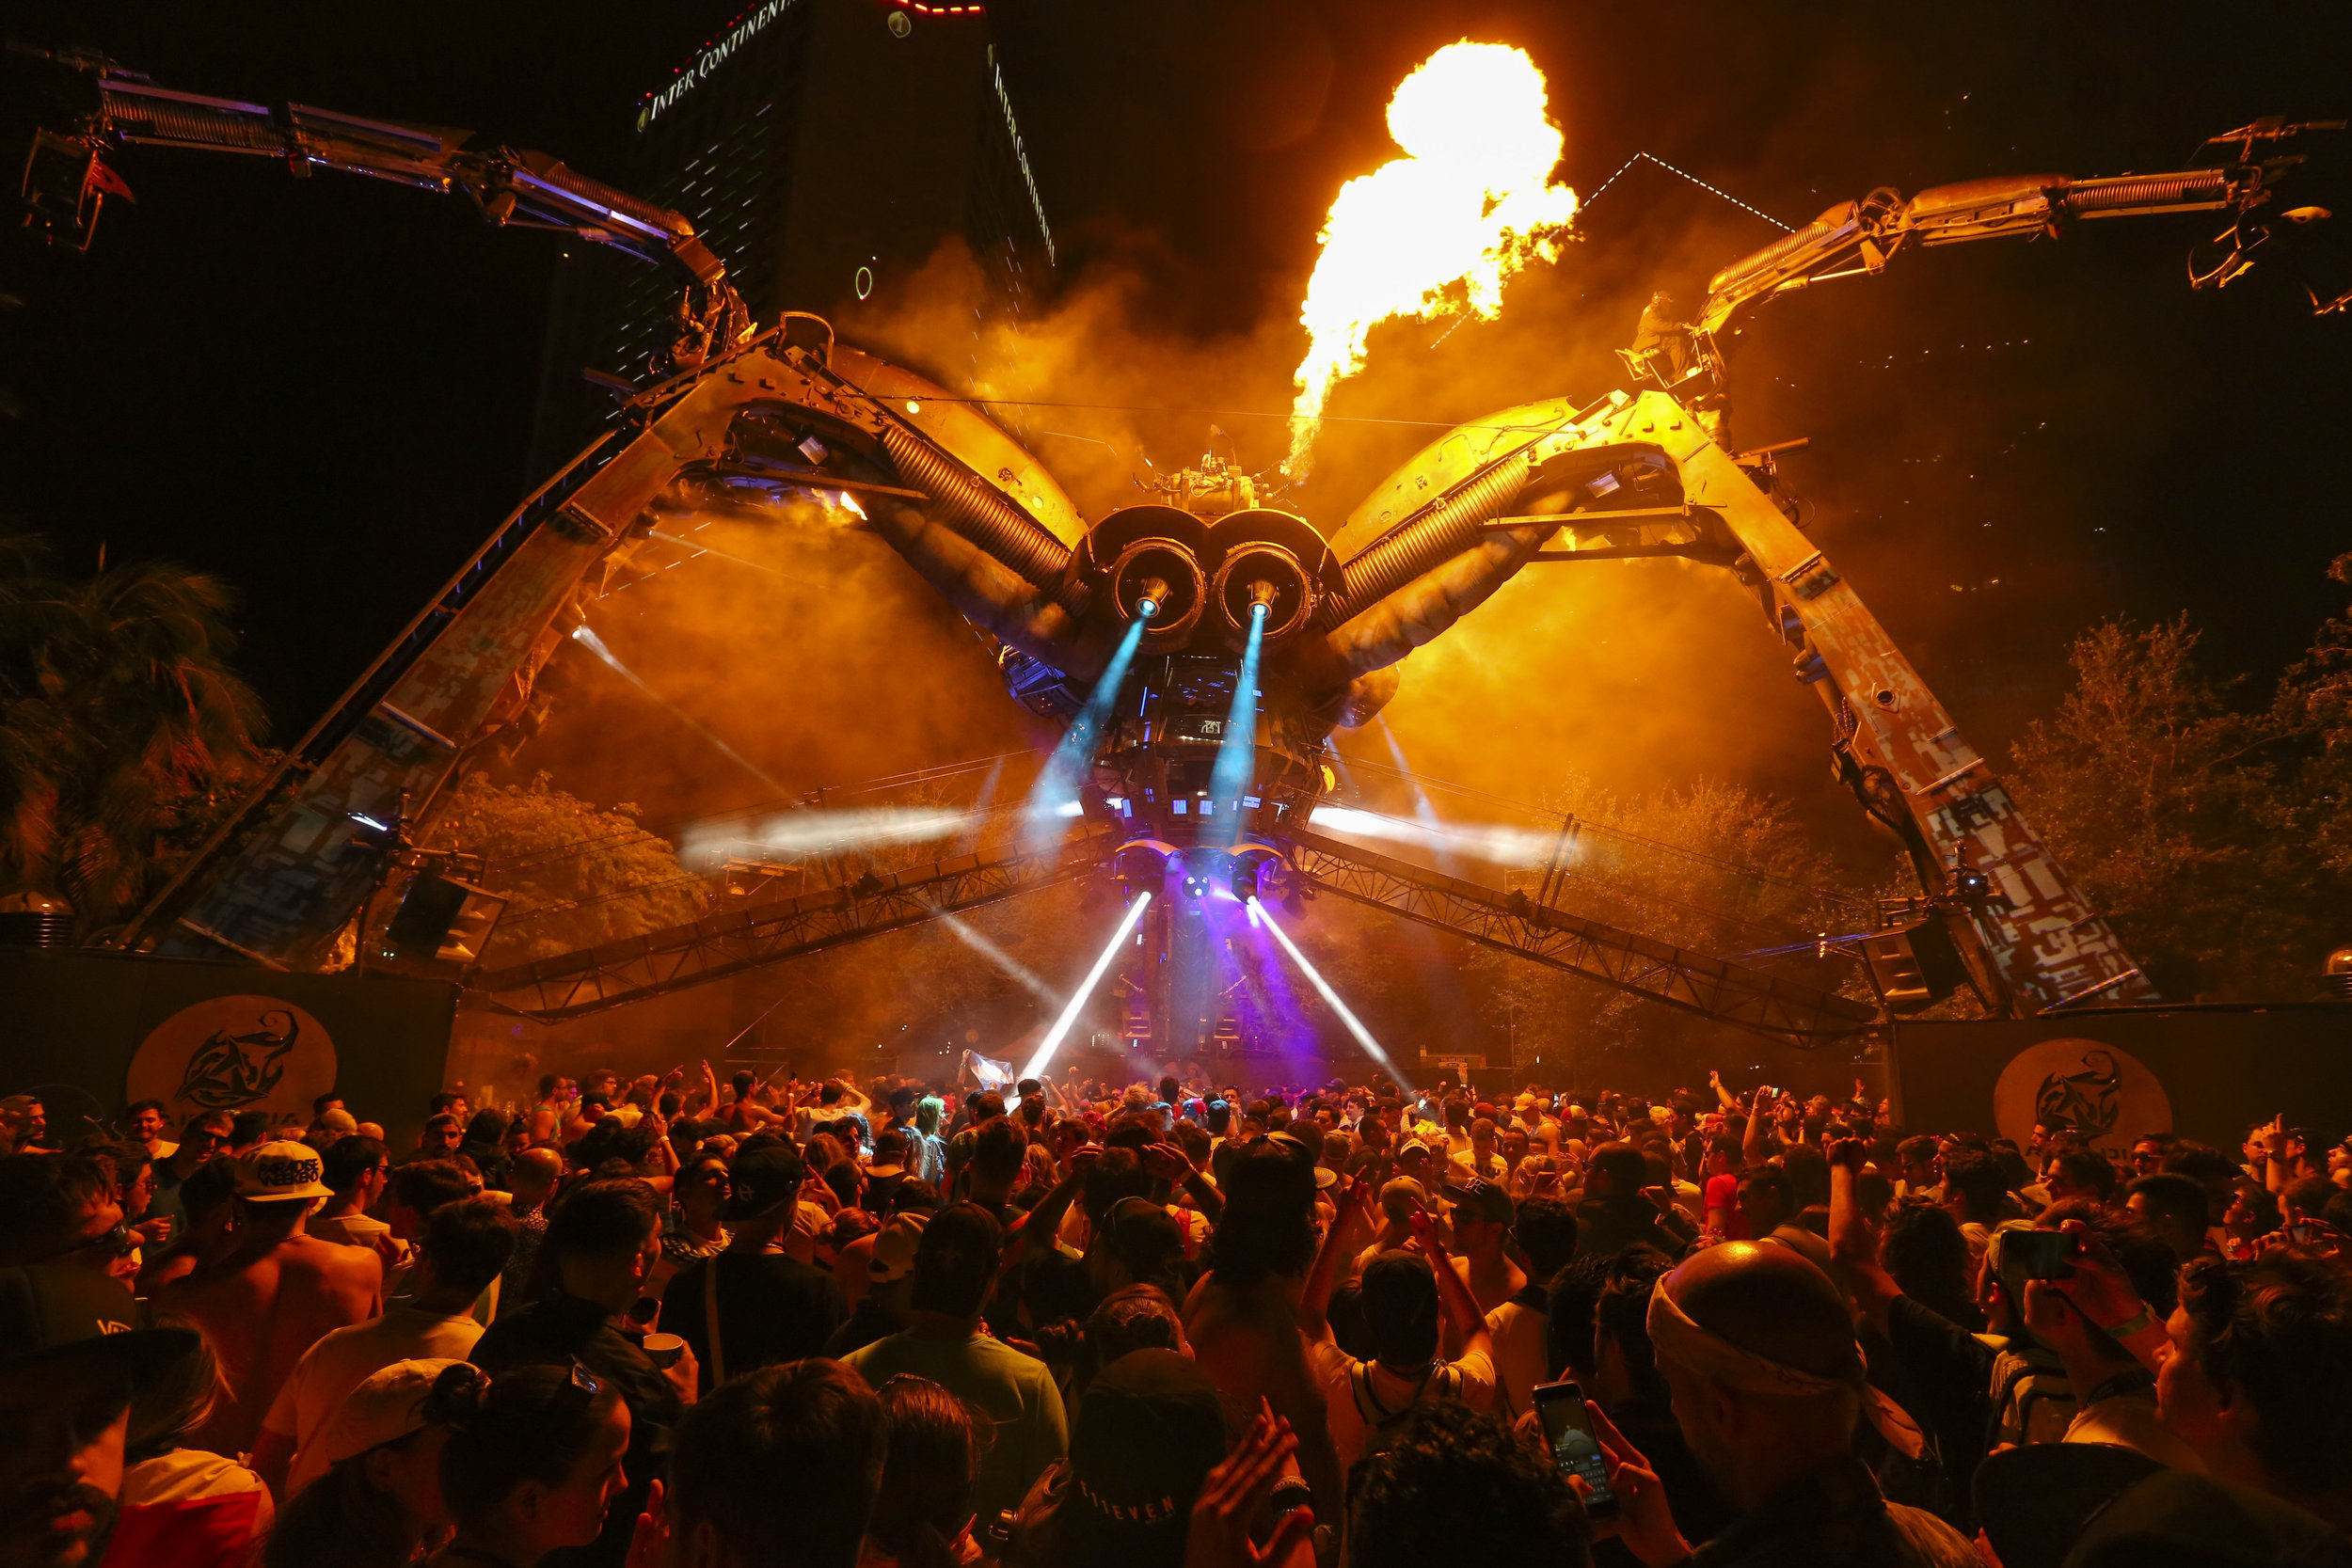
column 1151, row 611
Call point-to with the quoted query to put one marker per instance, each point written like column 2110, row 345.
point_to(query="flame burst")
column 1438, row 231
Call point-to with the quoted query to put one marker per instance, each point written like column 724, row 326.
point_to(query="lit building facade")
column 823, row 148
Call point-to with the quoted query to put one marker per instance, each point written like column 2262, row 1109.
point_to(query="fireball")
column 1440, row 231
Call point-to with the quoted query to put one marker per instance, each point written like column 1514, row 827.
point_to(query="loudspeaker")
column 443, row 919
column 1913, row 966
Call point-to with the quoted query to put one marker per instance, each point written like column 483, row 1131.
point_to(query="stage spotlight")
column 1247, row 878
column 1332, row 999
column 1044, row 1056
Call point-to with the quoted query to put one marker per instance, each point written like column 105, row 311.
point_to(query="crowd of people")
column 670, row 1321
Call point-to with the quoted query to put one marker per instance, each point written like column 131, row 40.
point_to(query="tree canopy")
column 125, row 734
column 2216, row 839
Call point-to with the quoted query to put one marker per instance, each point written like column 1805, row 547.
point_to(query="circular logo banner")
column 2099, row 1090
column 234, row 1053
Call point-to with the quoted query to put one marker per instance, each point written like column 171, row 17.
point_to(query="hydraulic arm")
column 101, row 108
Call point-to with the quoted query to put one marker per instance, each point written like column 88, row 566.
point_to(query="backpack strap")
column 1377, row 1414
column 710, row 1318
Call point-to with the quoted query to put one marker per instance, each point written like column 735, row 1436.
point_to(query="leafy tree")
column 124, row 734
column 2317, row 696
column 1714, row 868
column 575, row 875
column 2189, row 823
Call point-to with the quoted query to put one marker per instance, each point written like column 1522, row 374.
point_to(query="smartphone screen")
column 2028, row 1255
column 1569, row 1429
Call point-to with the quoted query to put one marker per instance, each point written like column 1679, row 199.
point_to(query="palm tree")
column 124, row 733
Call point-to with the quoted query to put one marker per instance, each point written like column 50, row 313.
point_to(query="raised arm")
column 1853, row 1244
column 1752, row 1151
column 1169, row 1162
column 1355, row 1218
column 1466, row 1324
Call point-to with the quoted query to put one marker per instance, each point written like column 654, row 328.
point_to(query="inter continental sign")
column 710, row 59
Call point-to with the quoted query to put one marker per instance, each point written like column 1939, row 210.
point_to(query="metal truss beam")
column 573, row 985
column 1516, row 924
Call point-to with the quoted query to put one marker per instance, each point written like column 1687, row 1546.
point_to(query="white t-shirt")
column 1523, row 1338
column 1333, row 1370
column 342, row 1360
column 2129, row 1421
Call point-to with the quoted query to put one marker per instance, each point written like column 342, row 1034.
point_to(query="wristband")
column 2139, row 1323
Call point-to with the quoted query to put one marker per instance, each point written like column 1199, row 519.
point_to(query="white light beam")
column 1331, row 998
column 1052, row 1042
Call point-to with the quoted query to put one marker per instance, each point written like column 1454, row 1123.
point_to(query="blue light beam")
column 1040, row 1058
column 1237, row 748
column 1054, row 796
column 1330, row 998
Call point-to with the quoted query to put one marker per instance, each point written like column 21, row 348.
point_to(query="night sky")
column 321, row 389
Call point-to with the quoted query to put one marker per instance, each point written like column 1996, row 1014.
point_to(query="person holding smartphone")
column 1757, row 1347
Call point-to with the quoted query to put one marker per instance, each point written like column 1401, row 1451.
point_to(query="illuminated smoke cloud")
column 807, row 831
column 1504, row 845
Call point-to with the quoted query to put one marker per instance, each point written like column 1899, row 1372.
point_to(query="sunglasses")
column 583, row 1384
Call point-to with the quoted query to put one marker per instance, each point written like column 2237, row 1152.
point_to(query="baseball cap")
column 1401, row 1306
column 1149, row 1432
column 1403, row 1186
column 1490, row 1202
column 895, row 1245
column 55, row 1309
column 956, row 1258
column 1141, row 1237
column 761, row 1177
column 280, row 1172
column 1409, row 1146
column 387, row 1405
column 1292, row 1145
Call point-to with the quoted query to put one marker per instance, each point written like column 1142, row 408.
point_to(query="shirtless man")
column 275, row 1292
column 1483, row 1215
column 1243, row 1317
column 743, row 1116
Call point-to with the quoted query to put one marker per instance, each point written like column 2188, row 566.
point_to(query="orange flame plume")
column 1440, row 231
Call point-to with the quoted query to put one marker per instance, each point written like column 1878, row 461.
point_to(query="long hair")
column 1269, row 1225
column 926, row 1499
column 341, row 1521
column 176, row 1400
column 533, row 1424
